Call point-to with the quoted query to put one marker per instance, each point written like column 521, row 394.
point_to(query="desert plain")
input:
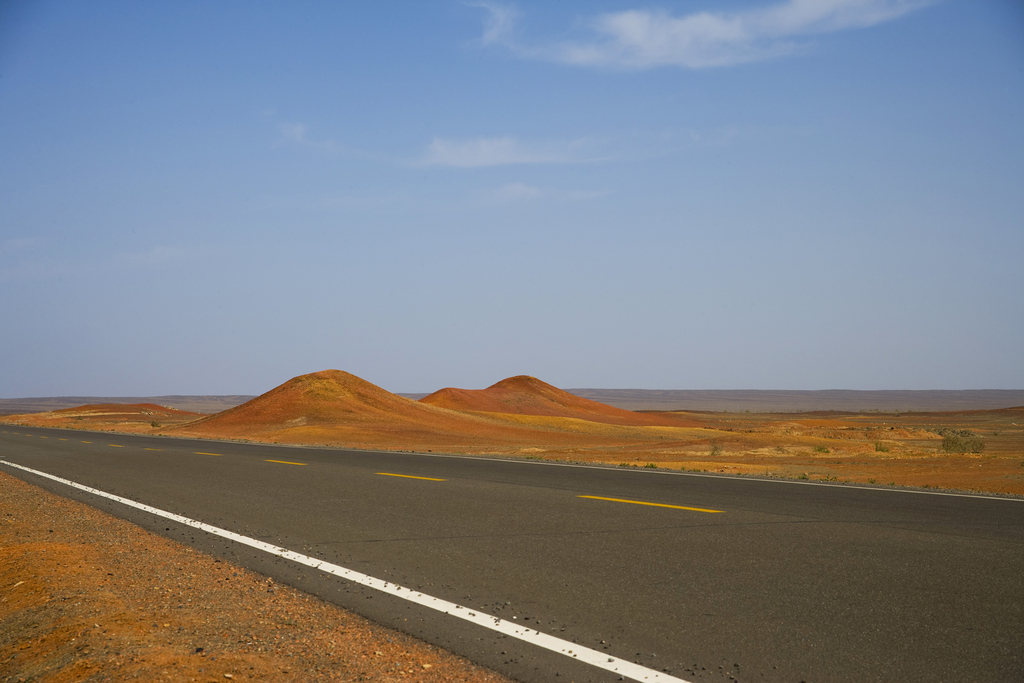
column 524, row 417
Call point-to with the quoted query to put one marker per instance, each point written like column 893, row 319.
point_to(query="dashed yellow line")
column 152, row 449
column 657, row 505
column 87, row 442
column 409, row 476
column 201, row 453
column 286, row 462
column 115, row 445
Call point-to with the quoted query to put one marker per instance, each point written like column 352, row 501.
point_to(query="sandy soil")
column 87, row 597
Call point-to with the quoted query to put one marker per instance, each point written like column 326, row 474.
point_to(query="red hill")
column 328, row 397
column 525, row 395
column 338, row 407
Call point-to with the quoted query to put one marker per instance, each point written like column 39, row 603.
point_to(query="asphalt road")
column 790, row 581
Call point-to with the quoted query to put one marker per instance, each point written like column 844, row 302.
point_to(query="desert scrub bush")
column 651, row 465
column 154, row 424
column 960, row 441
column 820, row 449
column 715, row 449
column 881, row 447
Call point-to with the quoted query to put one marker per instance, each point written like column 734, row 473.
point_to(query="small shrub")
column 715, row 449
column 651, row 465
column 820, row 449
column 154, row 424
column 956, row 443
column 881, row 447
column 960, row 441
column 803, row 476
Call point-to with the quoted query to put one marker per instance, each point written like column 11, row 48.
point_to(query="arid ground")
column 522, row 416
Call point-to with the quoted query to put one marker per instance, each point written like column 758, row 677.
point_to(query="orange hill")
column 335, row 406
column 525, row 395
column 320, row 398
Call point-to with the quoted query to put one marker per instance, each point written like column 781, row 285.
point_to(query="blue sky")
column 213, row 197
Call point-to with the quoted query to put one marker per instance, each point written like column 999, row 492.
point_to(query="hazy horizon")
column 203, row 198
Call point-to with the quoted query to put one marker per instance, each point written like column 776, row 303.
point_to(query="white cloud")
column 295, row 133
column 639, row 39
column 495, row 152
column 498, row 23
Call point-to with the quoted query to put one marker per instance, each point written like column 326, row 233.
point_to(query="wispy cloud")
column 478, row 152
column 499, row 21
column 297, row 134
column 640, row 39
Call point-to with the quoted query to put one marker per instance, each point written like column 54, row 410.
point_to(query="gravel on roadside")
column 85, row 596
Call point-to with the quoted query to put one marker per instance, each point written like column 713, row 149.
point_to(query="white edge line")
column 534, row 637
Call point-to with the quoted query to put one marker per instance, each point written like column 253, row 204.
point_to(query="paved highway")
column 702, row 577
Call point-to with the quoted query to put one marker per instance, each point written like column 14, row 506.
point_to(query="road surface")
column 696, row 576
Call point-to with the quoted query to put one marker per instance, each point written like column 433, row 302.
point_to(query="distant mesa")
column 113, row 410
column 131, row 417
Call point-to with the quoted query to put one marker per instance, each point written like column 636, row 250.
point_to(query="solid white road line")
column 572, row 650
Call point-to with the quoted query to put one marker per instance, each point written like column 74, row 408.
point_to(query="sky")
column 213, row 197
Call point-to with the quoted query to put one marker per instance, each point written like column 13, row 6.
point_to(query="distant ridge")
column 769, row 401
column 192, row 404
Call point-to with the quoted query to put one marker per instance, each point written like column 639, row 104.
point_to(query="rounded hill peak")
column 527, row 395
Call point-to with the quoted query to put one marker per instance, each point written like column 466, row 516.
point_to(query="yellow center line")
column 285, row 462
column 115, row 445
column 409, row 476
column 657, row 505
column 153, row 449
column 87, row 442
column 44, row 437
column 201, row 453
